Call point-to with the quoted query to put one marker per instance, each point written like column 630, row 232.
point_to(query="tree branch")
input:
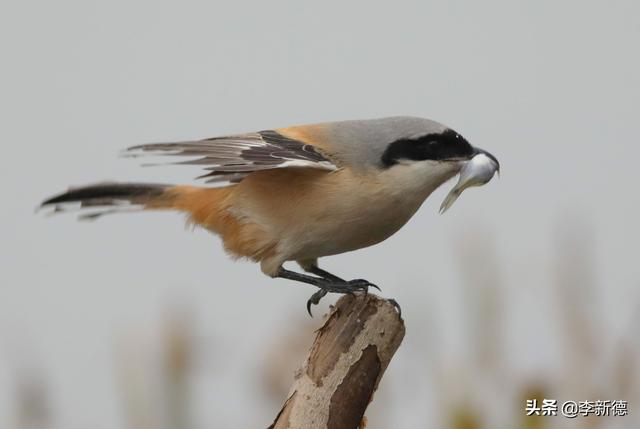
column 346, row 362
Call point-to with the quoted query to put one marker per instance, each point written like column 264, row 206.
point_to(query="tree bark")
column 346, row 362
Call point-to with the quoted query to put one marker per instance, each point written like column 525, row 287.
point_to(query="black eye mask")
column 448, row 145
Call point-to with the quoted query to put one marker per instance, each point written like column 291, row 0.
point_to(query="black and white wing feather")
column 232, row 158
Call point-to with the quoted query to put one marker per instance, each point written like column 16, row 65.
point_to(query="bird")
column 298, row 193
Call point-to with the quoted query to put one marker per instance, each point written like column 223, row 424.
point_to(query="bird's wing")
column 233, row 157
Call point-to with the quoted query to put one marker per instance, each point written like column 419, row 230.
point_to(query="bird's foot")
column 351, row 286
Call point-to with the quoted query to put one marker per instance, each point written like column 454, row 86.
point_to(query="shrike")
column 300, row 193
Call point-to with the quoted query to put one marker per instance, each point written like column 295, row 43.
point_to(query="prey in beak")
column 478, row 171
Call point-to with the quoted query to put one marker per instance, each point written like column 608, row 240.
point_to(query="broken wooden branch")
column 346, row 362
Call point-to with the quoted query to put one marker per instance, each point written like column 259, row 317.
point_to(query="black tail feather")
column 108, row 194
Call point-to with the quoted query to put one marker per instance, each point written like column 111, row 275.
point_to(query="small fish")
column 476, row 172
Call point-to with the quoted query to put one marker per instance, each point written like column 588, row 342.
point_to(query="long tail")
column 106, row 198
column 210, row 208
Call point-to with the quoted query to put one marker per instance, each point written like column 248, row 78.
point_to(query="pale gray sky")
column 551, row 88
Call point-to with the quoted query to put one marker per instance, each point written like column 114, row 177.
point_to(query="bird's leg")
column 324, row 284
column 315, row 298
column 315, row 269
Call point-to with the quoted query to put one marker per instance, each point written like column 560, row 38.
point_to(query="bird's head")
column 437, row 153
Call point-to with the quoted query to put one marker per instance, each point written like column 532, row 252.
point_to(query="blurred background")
column 527, row 288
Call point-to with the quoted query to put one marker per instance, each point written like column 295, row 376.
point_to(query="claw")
column 363, row 284
column 396, row 305
column 349, row 287
column 315, row 299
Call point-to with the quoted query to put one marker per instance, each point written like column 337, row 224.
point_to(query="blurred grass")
column 482, row 391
